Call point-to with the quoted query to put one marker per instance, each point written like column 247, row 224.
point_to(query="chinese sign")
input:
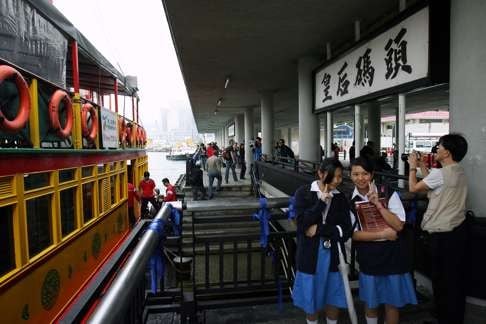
column 398, row 56
column 109, row 129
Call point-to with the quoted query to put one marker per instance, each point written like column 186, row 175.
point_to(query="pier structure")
column 300, row 71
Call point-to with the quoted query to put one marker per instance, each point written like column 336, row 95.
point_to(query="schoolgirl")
column 323, row 221
column 382, row 256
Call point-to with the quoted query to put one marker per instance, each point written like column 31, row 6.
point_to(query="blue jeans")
column 211, row 176
column 230, row 165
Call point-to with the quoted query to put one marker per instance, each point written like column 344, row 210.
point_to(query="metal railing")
column 115, row 304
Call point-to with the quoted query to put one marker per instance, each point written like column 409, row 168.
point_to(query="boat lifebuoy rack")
column 88, row 133
column 57, row 97
column 16, row 124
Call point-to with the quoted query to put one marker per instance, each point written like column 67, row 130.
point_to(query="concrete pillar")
column 266, row 101
column 289, row 137
column 374, row 124
column 358, row 134
column 467, row 93
column 329, row 129
column 239, row 128
column 248, row 135
column 401, row 133
column 308, row 121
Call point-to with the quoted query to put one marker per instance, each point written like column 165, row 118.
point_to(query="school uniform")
column 384, row 266
column 317, row 281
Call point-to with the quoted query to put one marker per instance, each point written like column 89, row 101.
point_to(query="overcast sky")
column 135, row 38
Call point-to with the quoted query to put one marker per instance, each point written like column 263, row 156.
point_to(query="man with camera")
column 444, row 220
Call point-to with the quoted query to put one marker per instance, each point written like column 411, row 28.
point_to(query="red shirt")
column 147, row 188
column 209, row 151
column 170, row 193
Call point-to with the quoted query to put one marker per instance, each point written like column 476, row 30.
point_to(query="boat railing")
column 46, row 116
column 124, row 292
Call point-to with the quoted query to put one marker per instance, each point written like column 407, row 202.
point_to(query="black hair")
column 329, row 166
column 146, row 174
column 456, row 144
column 363, row 162
column 165, row 180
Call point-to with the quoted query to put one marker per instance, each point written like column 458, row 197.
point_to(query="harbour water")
column 160, row 167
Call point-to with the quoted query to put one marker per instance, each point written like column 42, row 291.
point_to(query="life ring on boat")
column 54, row 103
column 122, row 130
column 23, row 113
column 144, row 136
column 139, row 135
column 90, row 134
column 133, row 135
column 128, row 132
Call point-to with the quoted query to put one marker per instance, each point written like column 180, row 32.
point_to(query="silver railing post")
column 117, row 298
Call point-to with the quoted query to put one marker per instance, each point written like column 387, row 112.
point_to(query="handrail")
column 116, row 300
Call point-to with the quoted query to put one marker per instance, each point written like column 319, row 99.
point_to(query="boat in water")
column 66, row 161
column 180, row 154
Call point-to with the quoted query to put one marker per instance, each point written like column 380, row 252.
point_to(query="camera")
column 404, row 156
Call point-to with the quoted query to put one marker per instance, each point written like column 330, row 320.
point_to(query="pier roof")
column 256, row 46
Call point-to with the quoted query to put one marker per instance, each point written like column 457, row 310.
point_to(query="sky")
column 135, row 38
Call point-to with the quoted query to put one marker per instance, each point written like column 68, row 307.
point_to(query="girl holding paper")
column 382, row 254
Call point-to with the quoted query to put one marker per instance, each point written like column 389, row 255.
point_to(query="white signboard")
column 109, row 129
column 398, row 56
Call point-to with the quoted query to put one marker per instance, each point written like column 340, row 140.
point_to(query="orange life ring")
column 144, row 136
column 54, row 102
column 23, row 113
column 133, row 135
column 129, row 131
column 122, row 134
column 87, row 133
column 139, row 135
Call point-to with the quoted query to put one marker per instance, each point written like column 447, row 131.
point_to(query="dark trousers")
column 144, row 213
column 198, row 192
column 448, row 251
column 243, row 170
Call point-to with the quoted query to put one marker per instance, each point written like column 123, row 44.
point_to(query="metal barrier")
column 115, row 305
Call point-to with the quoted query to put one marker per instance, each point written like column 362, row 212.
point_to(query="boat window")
column 68, row 207
column 7, row 256
column 88, row 201
column 87, row 172
column 114, row 198
column 39, row 224
column 36, row 180
column 110, row 166
column 66, row 175
column 101, row 168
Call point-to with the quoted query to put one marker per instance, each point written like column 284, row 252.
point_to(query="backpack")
column 226, row 154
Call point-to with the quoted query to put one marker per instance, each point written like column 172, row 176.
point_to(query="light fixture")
column 226, row 82
column 218, row 103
